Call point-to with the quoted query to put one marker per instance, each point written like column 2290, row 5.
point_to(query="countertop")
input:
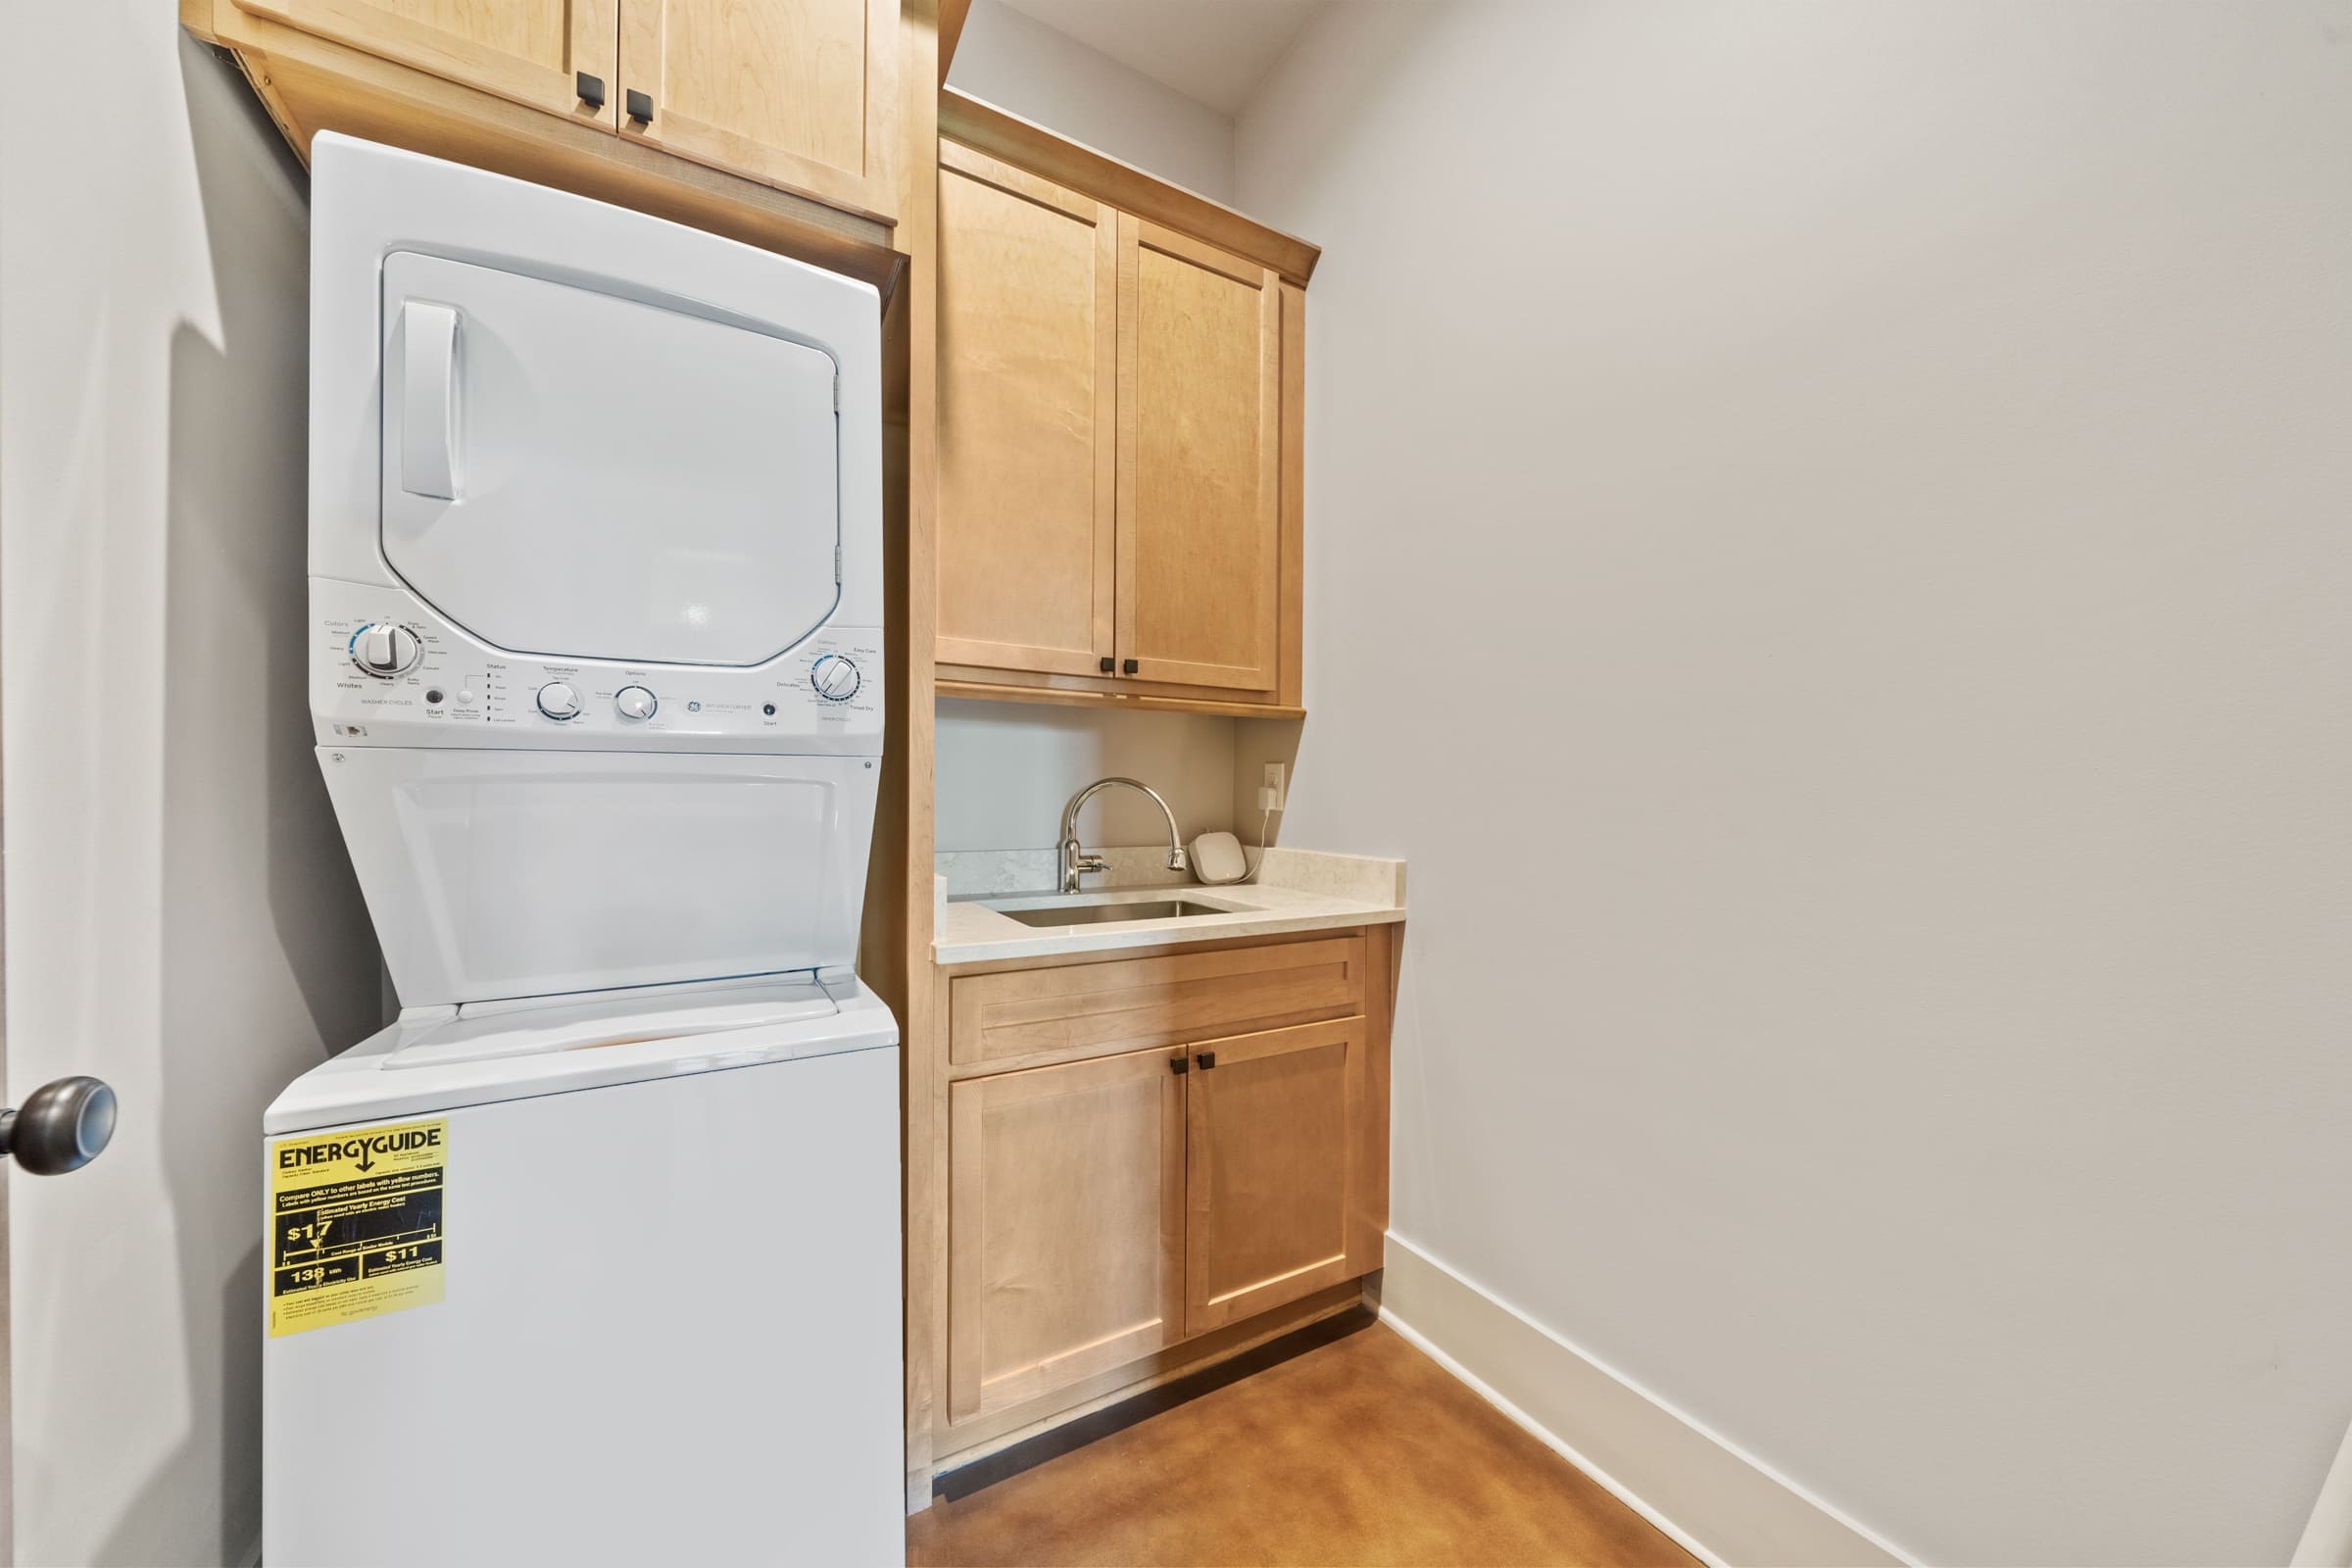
column 1292, row 889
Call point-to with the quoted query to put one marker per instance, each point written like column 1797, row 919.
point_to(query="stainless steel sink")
column 1110, row 913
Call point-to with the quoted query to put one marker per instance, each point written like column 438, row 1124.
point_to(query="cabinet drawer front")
column 1064, row 1229
column 1126, row 1005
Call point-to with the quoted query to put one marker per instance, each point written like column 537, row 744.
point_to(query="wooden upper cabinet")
column 530, row 51
column 797, row 93
column 1027, row 427
column 1199, row 557
column 1065, row 1222
column 1274, row 1156
column 1121, row 394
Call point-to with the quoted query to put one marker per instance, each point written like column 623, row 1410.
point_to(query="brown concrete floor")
column 1359, row 1452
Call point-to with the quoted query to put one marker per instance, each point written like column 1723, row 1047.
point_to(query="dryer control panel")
column 386, row 670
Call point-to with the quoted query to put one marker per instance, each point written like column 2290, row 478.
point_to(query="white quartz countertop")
column 1293, row 890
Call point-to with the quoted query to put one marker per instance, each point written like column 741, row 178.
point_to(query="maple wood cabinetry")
column 738, row 115
column 1119, row 407
column 1144, row 1153
column 793, row 92
column 536, row 52
column 1028, row 441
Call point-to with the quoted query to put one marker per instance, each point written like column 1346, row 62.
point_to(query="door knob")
column 62, row 1126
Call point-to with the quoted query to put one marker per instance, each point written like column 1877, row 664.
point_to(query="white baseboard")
column 1722, row 1506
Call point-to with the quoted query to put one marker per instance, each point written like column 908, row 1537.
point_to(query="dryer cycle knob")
column 384, row 650
column 835, row 678
column 558, row 700
column 635, row 702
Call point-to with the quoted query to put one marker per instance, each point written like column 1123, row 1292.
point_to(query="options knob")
column 635, row 702
column 835, row 678
column 384, row 650
column 557, row 699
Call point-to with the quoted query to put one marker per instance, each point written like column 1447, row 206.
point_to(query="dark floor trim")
column 964, row 1479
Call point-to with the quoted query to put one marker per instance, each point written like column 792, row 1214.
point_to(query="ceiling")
column 1211, row 51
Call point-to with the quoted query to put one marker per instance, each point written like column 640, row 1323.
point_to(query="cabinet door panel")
column 1272, row 1162
column 793, row 92
column 1200, row 458
column 527, row 50
column 1027, row 439
column 1065, row 1216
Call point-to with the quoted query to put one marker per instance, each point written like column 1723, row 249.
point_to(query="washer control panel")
column 385, row 669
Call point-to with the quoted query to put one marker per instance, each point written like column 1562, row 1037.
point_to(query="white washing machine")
column 592, row 1256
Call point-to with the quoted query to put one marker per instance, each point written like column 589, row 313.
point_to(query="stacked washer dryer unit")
column 593, row 1255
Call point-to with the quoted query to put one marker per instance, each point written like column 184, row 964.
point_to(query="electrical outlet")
column 1273, row 783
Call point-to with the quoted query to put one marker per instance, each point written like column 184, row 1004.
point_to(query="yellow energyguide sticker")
column 355, row 1223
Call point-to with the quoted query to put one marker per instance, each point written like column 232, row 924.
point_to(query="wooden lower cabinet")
column 1272, row 1128
column 1110, row 1217
column 1065, row 1225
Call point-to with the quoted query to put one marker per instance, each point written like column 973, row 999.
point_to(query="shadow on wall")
column 268, row 958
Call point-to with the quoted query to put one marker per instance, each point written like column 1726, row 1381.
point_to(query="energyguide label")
column 355, row 1224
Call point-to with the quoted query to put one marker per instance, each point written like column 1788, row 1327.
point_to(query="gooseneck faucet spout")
column 1076, row 862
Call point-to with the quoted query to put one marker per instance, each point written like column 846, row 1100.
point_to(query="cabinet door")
column 1027, row 442
column 1200, row 462
column 1274, row 1125
column 532, row 51
column 793, row 92
column 1065, row 1216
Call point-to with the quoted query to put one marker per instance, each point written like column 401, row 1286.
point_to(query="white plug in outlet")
column 1270, row 793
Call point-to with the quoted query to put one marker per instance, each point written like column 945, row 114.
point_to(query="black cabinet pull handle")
column 590, row 89
column 1207, row 1059
column 1179, row 1066
column 641, row 107
column 1131, row 666
column 1109, row 664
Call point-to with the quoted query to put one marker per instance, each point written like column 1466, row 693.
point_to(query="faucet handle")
column 1089, row 863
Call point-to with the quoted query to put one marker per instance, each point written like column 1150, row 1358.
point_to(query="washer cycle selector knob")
column 635, row 702
column 835, row 678
column 557, row 699
column 385, row 651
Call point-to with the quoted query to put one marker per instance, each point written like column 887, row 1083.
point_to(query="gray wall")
column 1005, row 770
column 181, row 919
column 1018, row 63
column 1880, row 836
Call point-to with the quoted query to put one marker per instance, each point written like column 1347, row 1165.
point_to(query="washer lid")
column 577, row 474
column 670, row 1032
column 490, row 1032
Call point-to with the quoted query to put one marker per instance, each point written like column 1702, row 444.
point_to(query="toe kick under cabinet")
column 1144, row 1161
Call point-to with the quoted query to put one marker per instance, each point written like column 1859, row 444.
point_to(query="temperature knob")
column 635, row 702
column 835, row 678
column 557, row 699
column 385, row 651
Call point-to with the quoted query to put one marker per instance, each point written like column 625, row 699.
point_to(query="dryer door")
column 579, row 475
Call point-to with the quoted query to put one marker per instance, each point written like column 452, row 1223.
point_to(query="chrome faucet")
column 1076, row 862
